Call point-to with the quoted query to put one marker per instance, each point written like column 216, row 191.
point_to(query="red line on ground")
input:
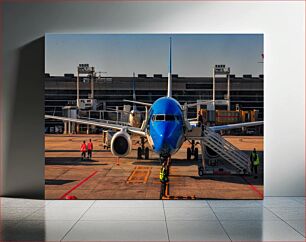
column 79, row 184
column 254, row 188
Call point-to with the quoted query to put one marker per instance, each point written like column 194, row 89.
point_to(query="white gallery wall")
column 22, row 104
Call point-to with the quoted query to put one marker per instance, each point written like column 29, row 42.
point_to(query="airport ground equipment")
column 90, row 102
column 222, row 70
column 225, row 149
column 201, row 162
column 224, row 117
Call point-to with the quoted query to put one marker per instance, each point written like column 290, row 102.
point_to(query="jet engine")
column 121, row 144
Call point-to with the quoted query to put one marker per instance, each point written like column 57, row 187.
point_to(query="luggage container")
column 227, row 117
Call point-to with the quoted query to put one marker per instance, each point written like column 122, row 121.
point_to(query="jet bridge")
column 230, row 153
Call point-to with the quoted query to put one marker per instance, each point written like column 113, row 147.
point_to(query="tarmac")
column 104, row 178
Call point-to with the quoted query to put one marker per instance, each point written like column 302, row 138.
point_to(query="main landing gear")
column 192, row 151
column 143, row 151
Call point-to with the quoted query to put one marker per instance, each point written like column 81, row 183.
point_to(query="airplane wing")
column 104, row 121
column 137, row 102
column 106, row 125
column 235, row 126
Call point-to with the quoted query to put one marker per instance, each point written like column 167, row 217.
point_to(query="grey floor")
column 274, row 219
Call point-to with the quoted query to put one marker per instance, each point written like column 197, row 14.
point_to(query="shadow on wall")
column 31, row 230
column 26, row 130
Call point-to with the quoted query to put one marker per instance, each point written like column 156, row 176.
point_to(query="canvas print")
column 154, row 116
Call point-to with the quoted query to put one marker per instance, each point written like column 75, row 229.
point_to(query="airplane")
column 165, row 126
column 135, row 116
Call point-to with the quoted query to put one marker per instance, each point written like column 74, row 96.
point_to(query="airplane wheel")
column 201, row 173
column 188, row 154
column 196, row 153
column 147, row 152
column 139, row 153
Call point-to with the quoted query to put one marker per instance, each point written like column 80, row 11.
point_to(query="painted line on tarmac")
column 254, row 188
column 79, row 184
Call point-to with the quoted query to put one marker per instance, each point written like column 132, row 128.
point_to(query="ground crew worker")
column 254, row 158
column 255, row 165
column 163, row 175
column 89, row 149
column 83, row 150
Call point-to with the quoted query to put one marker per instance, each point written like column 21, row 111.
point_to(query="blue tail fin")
column 170, row 71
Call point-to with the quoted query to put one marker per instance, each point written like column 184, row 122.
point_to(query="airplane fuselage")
column 165, row 126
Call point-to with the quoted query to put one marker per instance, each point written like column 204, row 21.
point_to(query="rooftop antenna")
column 170, row 72
column 134, row 92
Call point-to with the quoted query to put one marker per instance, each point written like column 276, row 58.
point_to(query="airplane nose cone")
column 164, row 139
column 161, row 144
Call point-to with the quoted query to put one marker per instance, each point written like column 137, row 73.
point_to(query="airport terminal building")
column 245, row 91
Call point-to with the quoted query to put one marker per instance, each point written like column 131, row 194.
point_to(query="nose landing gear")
column 192, row 151
column 143, row 151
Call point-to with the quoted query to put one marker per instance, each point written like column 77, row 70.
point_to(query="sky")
column 193, row 55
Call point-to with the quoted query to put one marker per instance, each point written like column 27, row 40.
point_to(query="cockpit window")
column 160, row 117
column 165, row 117
column 169, row 117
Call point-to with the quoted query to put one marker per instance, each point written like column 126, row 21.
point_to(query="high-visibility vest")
column 256, row 160
column 89, row 146
column 253, row 156
column 83, row 147
column 162, row 174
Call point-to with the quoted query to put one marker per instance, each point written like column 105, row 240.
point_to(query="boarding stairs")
column 225, row 149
